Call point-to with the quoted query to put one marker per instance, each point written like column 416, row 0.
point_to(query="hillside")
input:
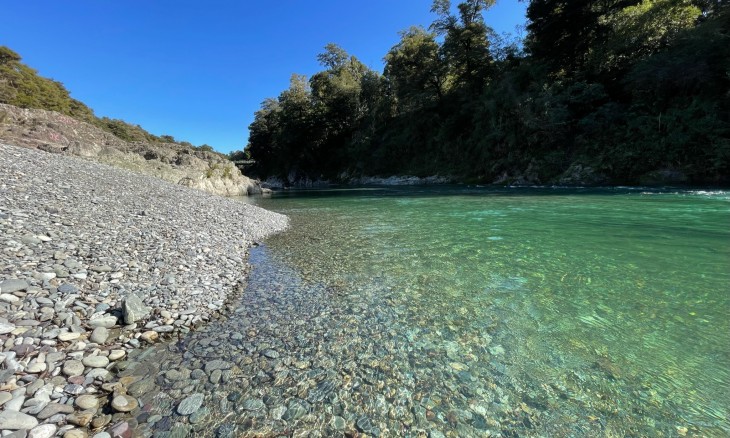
column 39, row 113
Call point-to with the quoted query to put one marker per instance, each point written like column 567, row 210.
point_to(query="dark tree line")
column 600, row 91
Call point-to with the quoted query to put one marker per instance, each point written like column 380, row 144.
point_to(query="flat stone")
column 43, row 431
column 100, row 268
column 133, row 309
column 271, row 354
column 67, row 289
column 68, row 336
column 95, row 361
column 87, row 402
column 73, row 368
column 99, row 335
column 44, row 301
column 141, row 387
column 164, row 329
column 4, row 397
column 52, row 409
column 13, row 285
column 124, row 403
column 104, row 321
column 9, row 298
column 30, row 240
column 217, row 364
column 6, row 327
column 36, row 367
column 13, row 420
column 45, row 276
column 117, row 354
column 190, row 404
column 253, row 404
column 76, row 433
column 15, row 403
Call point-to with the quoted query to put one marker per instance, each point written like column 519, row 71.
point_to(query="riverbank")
column 97, row 261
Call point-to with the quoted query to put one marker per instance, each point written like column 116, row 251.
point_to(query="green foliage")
column 124, row 130
column 204, row 148
column 228, row 172
column 21, row 86
column 625, row 87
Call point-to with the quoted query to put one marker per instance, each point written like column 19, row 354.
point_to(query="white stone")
column 9, row 298
column 68, row 336
column 14, row 420
column 42, row 431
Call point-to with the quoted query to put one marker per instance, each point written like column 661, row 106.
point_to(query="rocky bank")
column 96, row 261
column 54, row 132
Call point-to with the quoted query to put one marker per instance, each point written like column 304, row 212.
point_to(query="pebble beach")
column 96, row 262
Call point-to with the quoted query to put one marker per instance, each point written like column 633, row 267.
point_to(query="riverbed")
column 466, row 311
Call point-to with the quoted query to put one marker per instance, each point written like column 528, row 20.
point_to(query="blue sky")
column 198, row 70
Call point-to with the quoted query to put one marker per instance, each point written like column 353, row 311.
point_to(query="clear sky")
column 198, row 70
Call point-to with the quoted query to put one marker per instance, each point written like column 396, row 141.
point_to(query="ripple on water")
column 392, row 323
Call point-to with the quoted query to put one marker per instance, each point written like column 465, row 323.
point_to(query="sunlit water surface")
column 605, row 306
column 459, row 312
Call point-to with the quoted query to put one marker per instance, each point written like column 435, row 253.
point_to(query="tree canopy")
column 624, row 88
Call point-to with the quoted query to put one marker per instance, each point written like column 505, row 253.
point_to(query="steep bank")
column 58, row 133
column 96, row 261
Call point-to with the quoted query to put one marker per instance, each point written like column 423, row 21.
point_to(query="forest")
column 597, row 92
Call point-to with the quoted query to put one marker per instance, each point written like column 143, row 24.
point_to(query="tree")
column 561, row 33
column 466, row 46
column 415, row 70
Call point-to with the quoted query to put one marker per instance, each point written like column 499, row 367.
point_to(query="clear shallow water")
column 470, row 312
column 616, row 298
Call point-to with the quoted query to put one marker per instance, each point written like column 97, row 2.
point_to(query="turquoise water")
column 572, row 312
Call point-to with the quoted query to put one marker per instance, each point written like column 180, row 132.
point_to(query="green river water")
column 577, row 312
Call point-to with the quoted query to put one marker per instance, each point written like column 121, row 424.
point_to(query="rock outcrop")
column 173, row 162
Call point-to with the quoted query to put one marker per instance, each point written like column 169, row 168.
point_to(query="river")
column 467, row 311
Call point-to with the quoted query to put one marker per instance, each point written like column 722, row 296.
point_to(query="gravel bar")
column 96, row 261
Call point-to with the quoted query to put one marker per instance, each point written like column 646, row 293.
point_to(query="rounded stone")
column 99, row 335
column 124, row 403
column 73, row 368
column 42, row 431
column 89, row 402
column 95, row 361
column 14, row 420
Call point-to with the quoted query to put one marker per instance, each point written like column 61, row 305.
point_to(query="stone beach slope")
column 174, row 162
column 95, row 261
